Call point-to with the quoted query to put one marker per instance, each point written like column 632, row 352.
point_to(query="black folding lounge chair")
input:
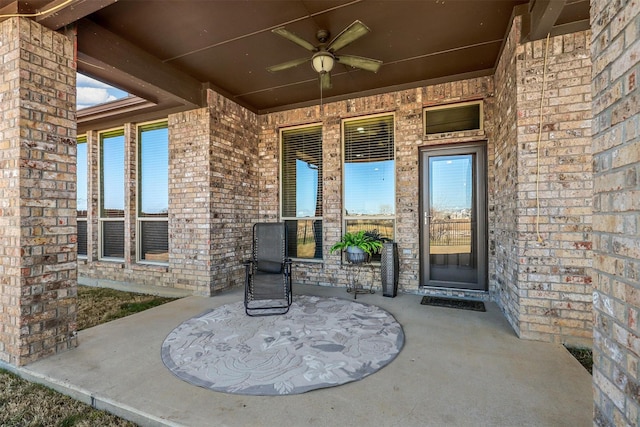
column 267, row 287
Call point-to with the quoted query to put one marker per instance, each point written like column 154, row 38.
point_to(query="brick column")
column 615, row 47
column 541, row 243
column 213, row 194
column 38, row 273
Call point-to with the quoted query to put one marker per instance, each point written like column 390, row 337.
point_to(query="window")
column 81, row 194
column 112, row 195
column 153, row 193
column 301, row 192
column 453, row 118
column 369, row 176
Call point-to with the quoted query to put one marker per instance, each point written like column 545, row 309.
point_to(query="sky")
column 91, row 92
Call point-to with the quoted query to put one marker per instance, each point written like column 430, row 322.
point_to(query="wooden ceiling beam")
column 115, row 55
column 53, row 14
column 543, row 16
column 57, row 13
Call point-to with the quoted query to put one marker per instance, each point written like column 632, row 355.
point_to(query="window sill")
column 307, row 261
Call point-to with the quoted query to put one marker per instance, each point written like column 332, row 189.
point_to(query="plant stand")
column 353, row 279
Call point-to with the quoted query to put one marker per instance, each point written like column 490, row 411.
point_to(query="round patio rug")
column 320, row 342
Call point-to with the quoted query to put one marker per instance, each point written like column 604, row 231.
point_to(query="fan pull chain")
column 321, row 106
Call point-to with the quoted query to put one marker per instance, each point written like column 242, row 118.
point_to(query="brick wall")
column 541, row 242
column 233, row 154
column 189, row 194
column 503, row 234
column 37, row 193
column 91, row 269
column 616, row 221
column 407, row 107
column 224, row 176
column 555, row 251
column 212, row 202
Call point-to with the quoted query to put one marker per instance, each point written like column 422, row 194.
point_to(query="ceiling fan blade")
column 353, row 32
column 325, row 81
column 360, row 62
column 281, row 31
column 288, row 64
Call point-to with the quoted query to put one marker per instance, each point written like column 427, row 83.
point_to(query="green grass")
column 584, row 356
column 100, row 305
column 25, row 404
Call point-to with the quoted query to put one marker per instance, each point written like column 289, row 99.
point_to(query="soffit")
column 168, row 52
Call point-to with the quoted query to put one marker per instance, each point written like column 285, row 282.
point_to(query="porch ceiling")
column 167, row 51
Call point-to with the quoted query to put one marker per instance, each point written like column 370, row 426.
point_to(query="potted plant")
column 357, row 246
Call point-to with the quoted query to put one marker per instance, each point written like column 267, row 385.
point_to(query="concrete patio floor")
column 457, row 368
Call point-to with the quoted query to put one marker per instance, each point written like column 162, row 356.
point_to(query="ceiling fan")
column 324, row 54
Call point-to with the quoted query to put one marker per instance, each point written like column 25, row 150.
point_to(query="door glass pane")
column 452, row 257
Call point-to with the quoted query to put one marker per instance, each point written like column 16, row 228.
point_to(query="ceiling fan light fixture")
column 322, row 62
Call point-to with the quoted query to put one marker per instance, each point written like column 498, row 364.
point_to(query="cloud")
column 88, row 96
column 82, row 80
column 92, row 92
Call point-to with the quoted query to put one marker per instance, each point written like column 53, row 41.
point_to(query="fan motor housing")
column 322, row 36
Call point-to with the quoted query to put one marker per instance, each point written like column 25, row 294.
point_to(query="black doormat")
column 453, row 303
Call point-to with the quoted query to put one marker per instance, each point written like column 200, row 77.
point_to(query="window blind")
column 81, row 177
column 112, row 175
column 302, row 172
column 369, row 169
column 82, row 238
column 154, row 171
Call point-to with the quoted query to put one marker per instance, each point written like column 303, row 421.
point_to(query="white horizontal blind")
column 154, row 170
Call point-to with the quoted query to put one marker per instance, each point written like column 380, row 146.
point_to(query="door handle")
column 427, row 218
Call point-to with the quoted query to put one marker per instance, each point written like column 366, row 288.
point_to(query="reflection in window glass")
column 81, row 194
column 154, row 171
column 153, row 191
column 112, row 195
column 369, row 175
column 302, row 190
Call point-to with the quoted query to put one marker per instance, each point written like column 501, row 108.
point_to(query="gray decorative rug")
column 320, row 342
